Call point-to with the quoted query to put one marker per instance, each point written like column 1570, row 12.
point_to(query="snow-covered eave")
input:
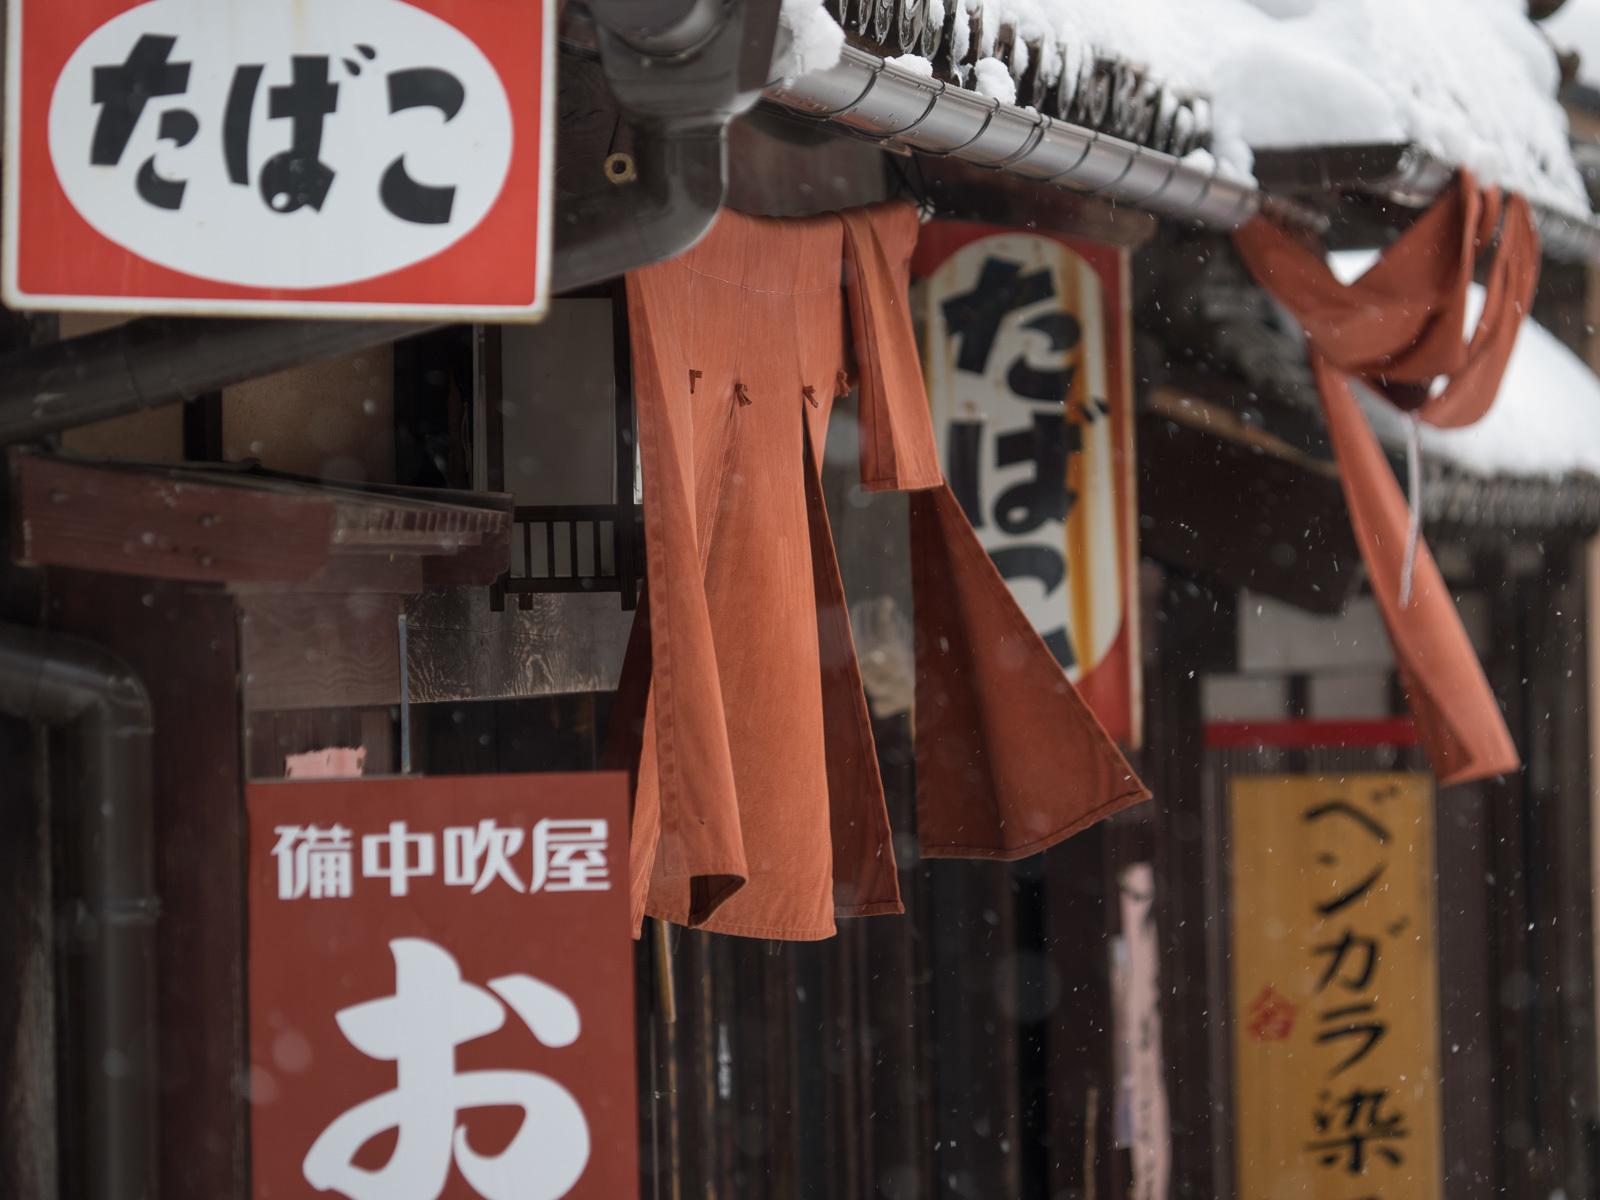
column 875, row 98
column 872, row 97
column 1458, row 498
column 1410, row 176
column 1543, row 429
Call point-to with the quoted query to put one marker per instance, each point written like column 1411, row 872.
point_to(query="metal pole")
column 405, row 703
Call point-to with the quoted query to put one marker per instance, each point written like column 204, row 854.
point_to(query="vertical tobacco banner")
column 1026, row 360
column 1335, row 984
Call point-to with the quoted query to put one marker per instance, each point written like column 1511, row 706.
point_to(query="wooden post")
column 1080, row 1047
column 1591, row 617
column 28, row 1005
column 977, row 1131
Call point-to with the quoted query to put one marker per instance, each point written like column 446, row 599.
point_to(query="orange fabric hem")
column 1039, row 845
column 885, row 908
column 896, row 484
column 726, row 867
column 1480, row 771
column 769, row 932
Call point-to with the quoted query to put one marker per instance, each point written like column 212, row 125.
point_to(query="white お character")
column 418, row 1028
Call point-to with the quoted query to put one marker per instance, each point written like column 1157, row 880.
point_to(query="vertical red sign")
column 441, row 989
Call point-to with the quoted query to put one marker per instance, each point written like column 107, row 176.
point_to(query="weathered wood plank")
column 343, row 573
column 304, row 651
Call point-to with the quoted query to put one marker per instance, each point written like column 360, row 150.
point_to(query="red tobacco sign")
column 441, row 989
column 344, row 158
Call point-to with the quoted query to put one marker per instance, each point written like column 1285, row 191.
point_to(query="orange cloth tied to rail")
column 759, row 809
column 1399, row 328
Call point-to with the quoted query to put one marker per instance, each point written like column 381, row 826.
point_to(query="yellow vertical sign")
column 1335, row 986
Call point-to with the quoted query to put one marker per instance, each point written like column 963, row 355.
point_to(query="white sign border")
column 339, row 310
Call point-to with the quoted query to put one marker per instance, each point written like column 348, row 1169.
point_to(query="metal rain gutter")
column 877, row 99
column 63, row 681
column 1568, row 237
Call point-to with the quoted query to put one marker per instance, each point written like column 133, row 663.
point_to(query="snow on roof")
column 1545, row 422
column 1576, row 26
column 1473, row 81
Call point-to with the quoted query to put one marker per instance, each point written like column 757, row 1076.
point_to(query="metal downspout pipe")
column 679, row 70
column 65, row 682
column 660, row 27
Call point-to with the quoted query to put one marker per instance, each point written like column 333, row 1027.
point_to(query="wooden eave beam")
column 1234, row 502
column 249, row 529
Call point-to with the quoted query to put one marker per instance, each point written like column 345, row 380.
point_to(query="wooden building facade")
column 433, row 557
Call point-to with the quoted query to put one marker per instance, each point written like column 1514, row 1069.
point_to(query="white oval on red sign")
column 280, row 143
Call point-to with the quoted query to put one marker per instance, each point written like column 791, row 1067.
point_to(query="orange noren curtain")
column 1397, row 329
column 758, row 808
